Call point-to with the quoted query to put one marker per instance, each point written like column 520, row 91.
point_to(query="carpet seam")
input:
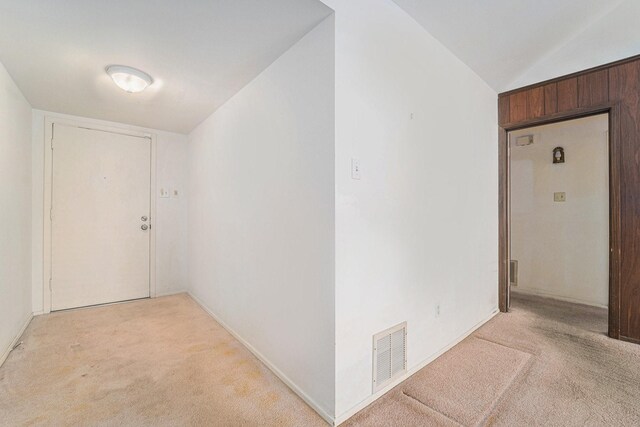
column 505, row 345
column 518, row 378
column 486, row 414
column 519, row 375
column 431, row 408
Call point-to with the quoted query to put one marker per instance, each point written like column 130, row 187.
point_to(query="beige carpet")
column 547, row 363
column 154, row 362
column 167, row 362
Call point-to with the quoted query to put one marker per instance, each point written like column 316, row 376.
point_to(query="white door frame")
column 48, row 187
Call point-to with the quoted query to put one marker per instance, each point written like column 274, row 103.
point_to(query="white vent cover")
column 513, row 272
column 389, row 355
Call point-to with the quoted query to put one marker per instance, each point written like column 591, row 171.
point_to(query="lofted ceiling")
column 199, row 52
column 501, row 40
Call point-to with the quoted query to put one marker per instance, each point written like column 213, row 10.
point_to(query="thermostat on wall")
column 523, row 141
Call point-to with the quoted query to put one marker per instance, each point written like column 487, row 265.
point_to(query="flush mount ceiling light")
column 129, row 79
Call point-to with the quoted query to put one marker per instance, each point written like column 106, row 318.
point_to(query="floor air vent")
column 513, row 272
column 389, row 355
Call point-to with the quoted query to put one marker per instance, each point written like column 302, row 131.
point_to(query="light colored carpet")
column 467, row 394
column 155, row 362
column 167, row 362
column 547, row 363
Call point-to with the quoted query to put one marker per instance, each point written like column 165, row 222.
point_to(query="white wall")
column 615, row 36
column 15, row 213
column 419, row 230
column 171, row 213
column 261, row 215
column 562, row 247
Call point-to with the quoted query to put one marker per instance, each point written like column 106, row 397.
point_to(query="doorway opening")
column 559, row 215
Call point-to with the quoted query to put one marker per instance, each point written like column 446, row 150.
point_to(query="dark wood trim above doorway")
column 612, row 89
column 576, row 74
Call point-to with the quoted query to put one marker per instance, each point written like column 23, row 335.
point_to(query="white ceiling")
column 200, row 53
column 615, row 36
column 501, row 39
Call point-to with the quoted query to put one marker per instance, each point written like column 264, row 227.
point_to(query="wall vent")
column 389, row 355
column 513, row 272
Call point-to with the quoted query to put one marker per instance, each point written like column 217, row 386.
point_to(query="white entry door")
column 101, row 191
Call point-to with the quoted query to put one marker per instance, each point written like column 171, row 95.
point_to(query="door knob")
column 144, row 218
column 144, row 226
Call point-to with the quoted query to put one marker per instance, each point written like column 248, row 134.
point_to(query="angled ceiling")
column 502, row 39
column 200, row 53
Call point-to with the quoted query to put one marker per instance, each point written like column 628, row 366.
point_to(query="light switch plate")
column 175, row 194
column 559, row 197
column 164, row 193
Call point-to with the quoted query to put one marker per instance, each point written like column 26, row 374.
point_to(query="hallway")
column 546, row 363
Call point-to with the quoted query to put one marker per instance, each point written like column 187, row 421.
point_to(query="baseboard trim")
column 15, row 340
column 369, row 400
column 169, row 293
column 544, row 294
column 629, row 339
column 328, row 418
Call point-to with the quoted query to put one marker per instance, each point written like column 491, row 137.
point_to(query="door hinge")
column 49, row 284
column 52, row 133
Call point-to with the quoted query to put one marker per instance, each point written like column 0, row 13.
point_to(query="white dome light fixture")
column 129, row 79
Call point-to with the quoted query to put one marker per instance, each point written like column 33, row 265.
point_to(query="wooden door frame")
column 504, row 235
column 49, row 121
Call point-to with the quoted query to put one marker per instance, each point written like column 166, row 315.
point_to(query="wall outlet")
column 559, row 197
column 438, row 310
column 355, row 169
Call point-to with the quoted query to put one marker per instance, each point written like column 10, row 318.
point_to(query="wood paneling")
column 503, row 110
column 614, row 89
column 593, row 88
column 614, row 222
column 576, row 74
column 503, row 234
column 535, row 103
column 624, row 87
column 567, row 95
column 518, row 107
column 525, row 105
column 551, row 98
